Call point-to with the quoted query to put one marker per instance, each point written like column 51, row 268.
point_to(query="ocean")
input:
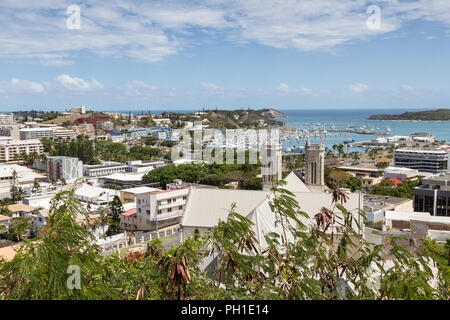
column 340, row 119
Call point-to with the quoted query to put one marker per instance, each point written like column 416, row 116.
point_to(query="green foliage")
column 402, row 190
column 329, row 260
column 115, row 208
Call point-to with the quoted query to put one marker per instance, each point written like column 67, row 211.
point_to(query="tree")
column 115, row 210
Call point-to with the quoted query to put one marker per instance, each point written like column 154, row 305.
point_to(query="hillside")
column 432, row 115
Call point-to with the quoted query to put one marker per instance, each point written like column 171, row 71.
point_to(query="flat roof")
column 139, row 190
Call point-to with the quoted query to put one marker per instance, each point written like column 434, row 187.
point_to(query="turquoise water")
column 305, row 119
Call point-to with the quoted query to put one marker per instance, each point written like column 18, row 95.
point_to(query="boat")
column 349, row 141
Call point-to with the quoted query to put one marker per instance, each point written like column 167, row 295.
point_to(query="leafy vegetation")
column 329, row 260
column 430, row 115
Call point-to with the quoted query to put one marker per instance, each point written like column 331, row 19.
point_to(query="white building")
column 35, row 133
column 67, row 168
column 104, row 169
column 81, row 110
column 95, row 195
column 6, row 118
column 9, row 148
column 156, row 210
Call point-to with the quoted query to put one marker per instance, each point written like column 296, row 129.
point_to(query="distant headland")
column 431, row 115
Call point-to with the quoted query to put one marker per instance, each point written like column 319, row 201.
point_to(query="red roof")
column 395, row 181
column 129, row 213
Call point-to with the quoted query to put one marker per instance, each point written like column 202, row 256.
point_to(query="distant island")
column 432, row 115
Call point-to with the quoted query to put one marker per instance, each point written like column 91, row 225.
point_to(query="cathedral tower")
column 314, row 166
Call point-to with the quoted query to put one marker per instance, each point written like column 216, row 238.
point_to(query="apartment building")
column 35, row 133
column 9, row 148
column 433, row 195
column 67, row 168
column 64, row 133
column 428, row 160
column 6, row 118
column 129, row 195
column 156, row 210
column 12, row 131
column 85, row 129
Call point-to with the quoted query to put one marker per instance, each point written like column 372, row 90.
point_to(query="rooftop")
column 139, row 190
column 20, row 207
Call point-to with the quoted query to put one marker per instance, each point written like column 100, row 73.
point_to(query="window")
column 184, row 197
column 139, row 210
column 148, row 211
column 180, row 207
column 159, row 211
column 169, row 201
column 169, row 210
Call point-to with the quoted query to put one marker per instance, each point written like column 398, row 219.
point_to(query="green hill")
column 431, row 115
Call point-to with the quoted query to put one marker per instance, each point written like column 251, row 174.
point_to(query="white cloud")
column 138, row 88
column 284, row 87
column 149, row 31
column 358, row 87
column 21, row 86
column 406, row 88
column 78, row 84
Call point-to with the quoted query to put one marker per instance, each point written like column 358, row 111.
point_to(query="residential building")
column 433, row 195
column 85, row 129
column 21, row 210
column 428, row 160
column 370, row 181
column 67, row 168
column 35, row 133
column 4, row 223
column 129, row 195
column 11, row 131
column 6, row 118
column 9, row 148
column 63, row 133
column 157, row 209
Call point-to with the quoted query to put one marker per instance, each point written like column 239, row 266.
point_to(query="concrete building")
column 6, row 118
column 205, row 207
column 271, row 165
column 85, row 129
column 11, row 131
column 80, row 110
column 433, row 195
column 376, row 205
column 95, row 195
column 67, row 168
column 156, row 210
column 4, row 223
column 140, row 166
column 9, row 148
column 35, row 133
column 314, row 166
column 24, row 175
column 104, row 169
column 428, row 160
column 404, row 174
column 129, row 195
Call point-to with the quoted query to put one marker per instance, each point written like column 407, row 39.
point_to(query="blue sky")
column 290, row 54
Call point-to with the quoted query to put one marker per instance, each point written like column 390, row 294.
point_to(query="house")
column 129, row 195
column 95, row 195
column 156, row 210
column 7, row 253
column 21, row 210
column 4, row 222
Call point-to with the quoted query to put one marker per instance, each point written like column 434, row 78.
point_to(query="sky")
column 174, row 54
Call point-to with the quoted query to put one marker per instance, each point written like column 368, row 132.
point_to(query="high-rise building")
column 433, row 195
column 9, row 148
column 314, row 166
column 427, row 160
column 67, row 168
